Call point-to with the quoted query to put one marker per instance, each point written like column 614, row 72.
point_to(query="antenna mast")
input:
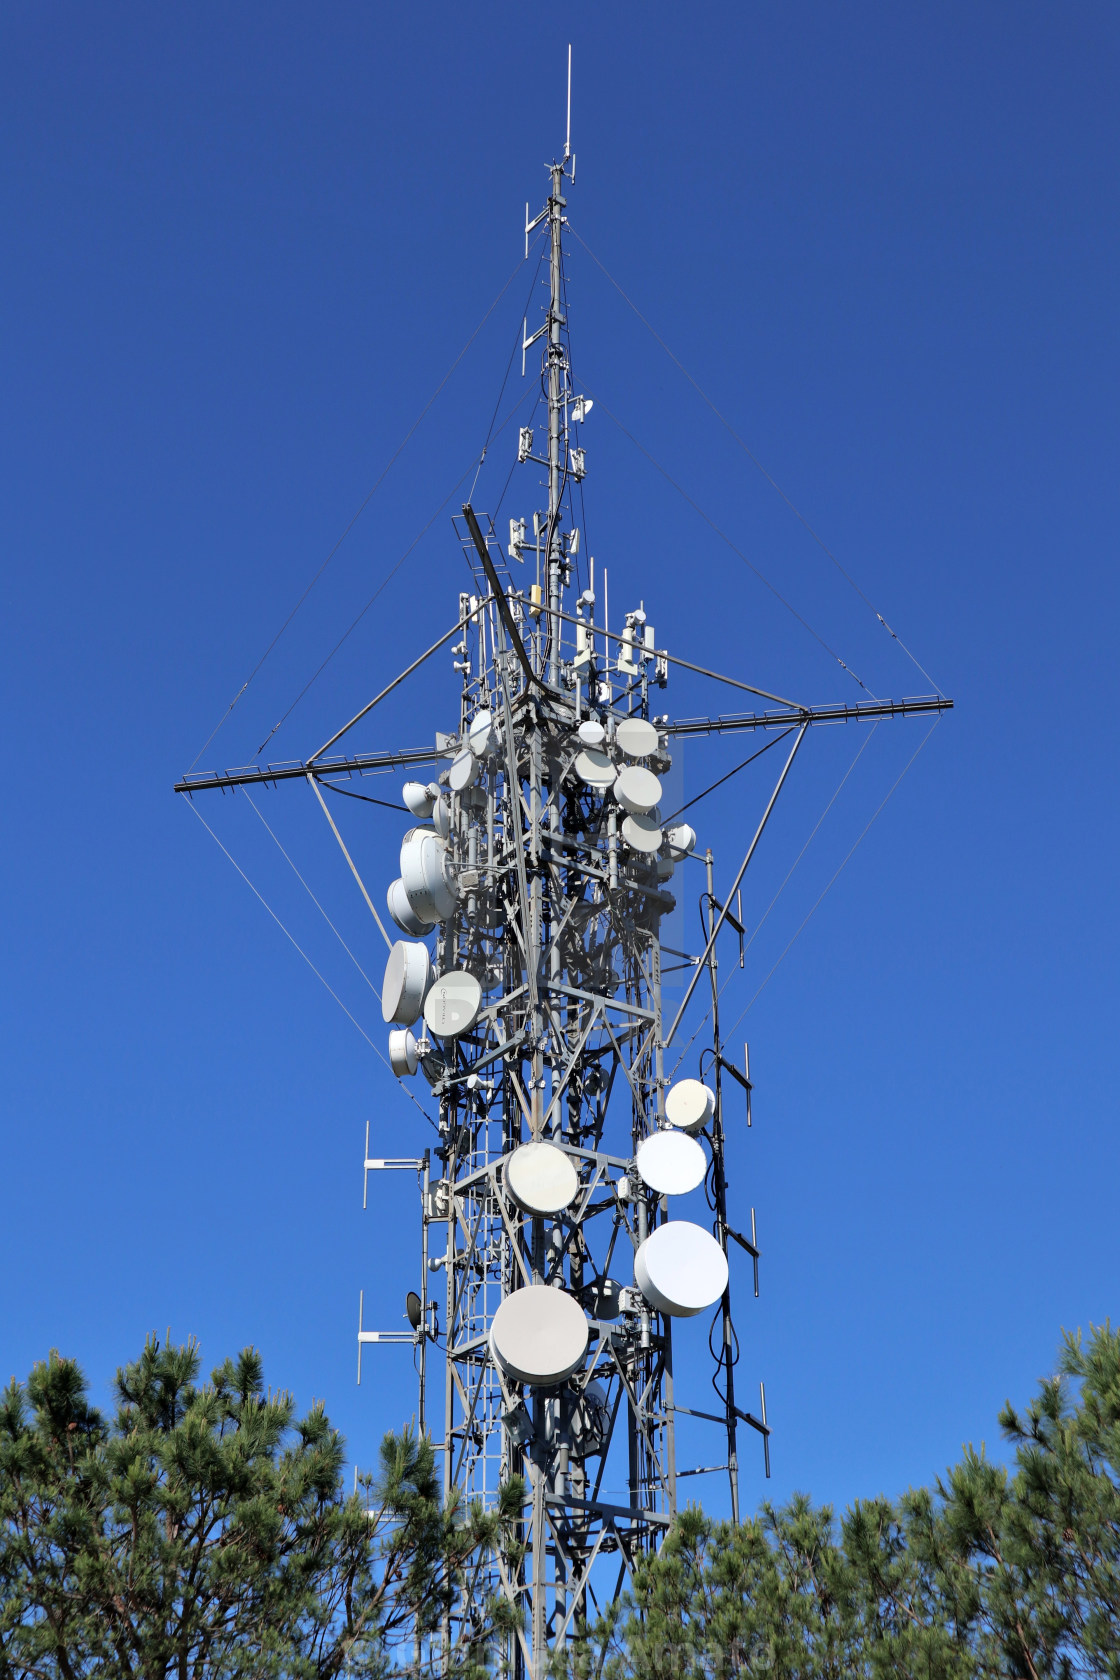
column 527, row 990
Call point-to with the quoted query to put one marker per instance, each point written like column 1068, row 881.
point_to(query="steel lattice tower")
column 543, row 886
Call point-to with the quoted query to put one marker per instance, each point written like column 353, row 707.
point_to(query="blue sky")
column 242, row 248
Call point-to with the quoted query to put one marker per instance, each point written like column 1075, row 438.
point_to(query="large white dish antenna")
column 408, row 974
column 592, row 733
column 672, row 1163
column 636, row 737
column 479, row 734
column 419, row 799
column 453, row 1003
column 680, row 1269
column 642, row 833
column 594, row 768
column 404, row 1057
column 426, row 874
column 541, row 1178
column 403, row 913
column 689, row 1104
column 539, row 1335
column 464, row 770
column 636, row 789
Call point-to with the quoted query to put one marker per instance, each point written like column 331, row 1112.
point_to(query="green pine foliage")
column 203, row 1533
column 993, row 1574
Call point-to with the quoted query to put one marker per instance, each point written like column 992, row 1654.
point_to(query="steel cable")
column 753, row 458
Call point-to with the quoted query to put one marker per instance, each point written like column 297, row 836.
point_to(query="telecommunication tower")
column 527, row 990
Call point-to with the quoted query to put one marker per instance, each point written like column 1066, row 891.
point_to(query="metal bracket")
column 760, row 1424
column 384, row 1164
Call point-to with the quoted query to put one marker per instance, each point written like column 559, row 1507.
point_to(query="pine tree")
column 203, row 1531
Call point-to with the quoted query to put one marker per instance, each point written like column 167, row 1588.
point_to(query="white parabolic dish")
column 680, row 1269
column 479, row 735
column 408, row 974
column 594, row 768
column 642, row 833
column 464, row 770
column 689, row 1104
column 453, row 1003
column 637, row 790
column 539, row 1335
column 541, row 1178
column 672, row 1163
column 636, row 737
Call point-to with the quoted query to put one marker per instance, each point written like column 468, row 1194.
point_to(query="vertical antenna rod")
column 568, row 130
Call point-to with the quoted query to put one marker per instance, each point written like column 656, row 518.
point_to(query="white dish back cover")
column 408, row 974
column 419, row 799
column 689, row 1104
column 680, row 1269
column 427, row 876
column 453, row 1003
column 479, row 733
column 539, row 1335
column 464, row 770
column 636, row 737
column 404, row 1058
column 541, row 1178
column 637, row 790
column 402, row 912
column 672, row 1163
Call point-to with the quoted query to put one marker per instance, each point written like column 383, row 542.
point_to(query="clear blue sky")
column 241, row 248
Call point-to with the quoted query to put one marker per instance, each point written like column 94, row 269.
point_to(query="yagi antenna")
column 568, row 136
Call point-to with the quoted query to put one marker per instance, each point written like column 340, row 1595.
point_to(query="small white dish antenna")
column 408, row 974
column 464, row 770
column 680, row 1269
column 689, row 1104
column 404, row 1057
column 636, row 737
column 581, row 408
column 452, row 1005
column 642, row 833
column 595, row 768
column 592, row 733
column 478, row 736
column 539, row 1335
column 680, row 839
column 441, row 816
column 541, row 1178
column 637, row 790
column 672, row 1163
column 419, row 799
column 403, row 914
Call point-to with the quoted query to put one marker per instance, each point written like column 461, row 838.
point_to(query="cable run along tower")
column 526, row 991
